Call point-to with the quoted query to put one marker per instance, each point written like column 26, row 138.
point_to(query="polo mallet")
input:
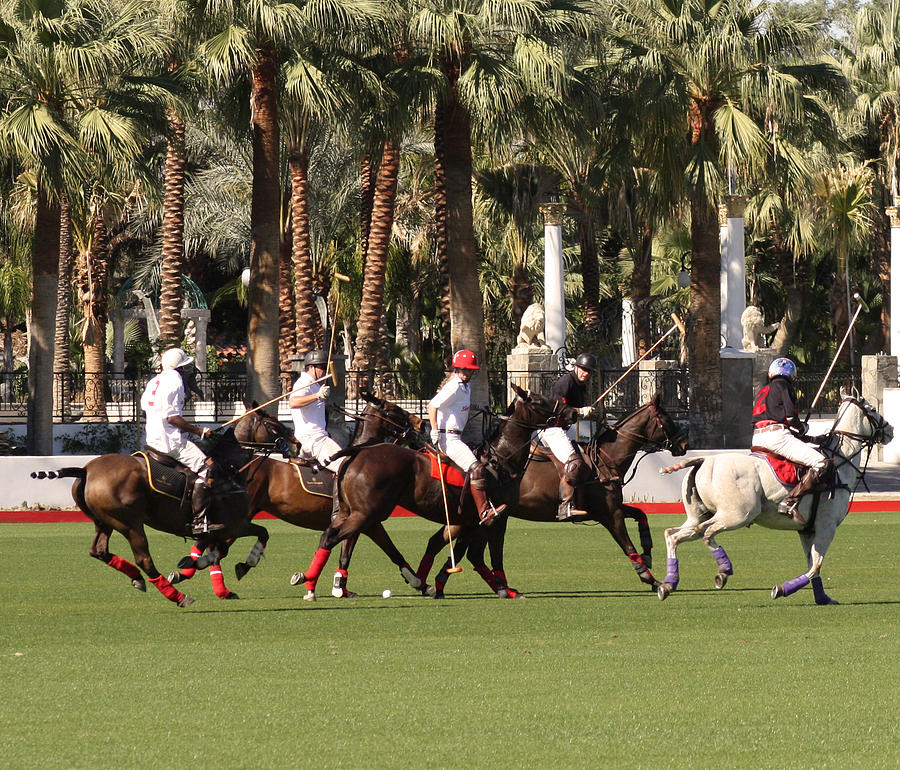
column 270, row 401
column 329, row 366
column 678, row 324
column 453, row 567
column 860, row 306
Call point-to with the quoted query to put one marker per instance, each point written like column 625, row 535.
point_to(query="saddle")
column 786, row 471
column 314, row 479
column 598, row 468
column 165, row 474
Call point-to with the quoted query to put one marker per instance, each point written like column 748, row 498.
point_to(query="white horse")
column 724, row 492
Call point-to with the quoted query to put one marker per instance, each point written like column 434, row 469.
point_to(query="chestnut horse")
column 377, row 479
column 612, row 452
column 114, row 492
column 274, row 487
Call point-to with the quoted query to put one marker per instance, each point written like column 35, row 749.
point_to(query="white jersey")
column 310, row 420
column 452, row 403
column 163, row 398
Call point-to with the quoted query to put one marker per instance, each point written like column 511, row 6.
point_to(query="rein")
column 866, row 443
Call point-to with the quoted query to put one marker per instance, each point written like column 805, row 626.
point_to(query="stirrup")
column 788, row 507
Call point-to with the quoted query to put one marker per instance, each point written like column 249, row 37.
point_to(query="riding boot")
column 568, row 485
column 487, row 511
column 200, row 500
column 811, row 478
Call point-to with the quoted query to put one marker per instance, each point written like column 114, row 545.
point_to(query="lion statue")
column 754, row 328
column 531, row 331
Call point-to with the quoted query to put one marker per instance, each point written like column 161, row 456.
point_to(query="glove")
column 800, row 428
column 585, row 411
column 324, row 392
column 435, row 436
column 205, row 433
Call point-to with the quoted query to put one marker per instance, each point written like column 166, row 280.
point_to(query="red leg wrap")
column 167, row 589
column 425, row 567
column 218, row 582
column 487, row 576
column 315, row 568
column 125, row 567
column 500, row 578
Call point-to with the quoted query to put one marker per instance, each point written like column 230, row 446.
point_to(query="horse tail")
column 61, row 473
column 694, row 462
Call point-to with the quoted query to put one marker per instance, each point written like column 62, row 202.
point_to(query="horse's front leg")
column 141, row 550
column 378, row 534
column 339, row 584
column 434, row 546
column 462, row 538
column 475, row 553
column 100, row 550
column 815, row 545
column 646, row 538
column 674, row 536
column 616, row 526
column 342, row 527
column 496, row 539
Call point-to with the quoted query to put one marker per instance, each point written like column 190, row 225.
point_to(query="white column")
column 554, row 296
column 734, row 269
column 629, row 354
column 894, row 216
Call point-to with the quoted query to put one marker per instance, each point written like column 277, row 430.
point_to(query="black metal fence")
column 222, row 392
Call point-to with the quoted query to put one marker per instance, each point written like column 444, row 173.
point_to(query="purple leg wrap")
column 819, row 591
column 791, row 586
column 723, row 561
column 672, row 573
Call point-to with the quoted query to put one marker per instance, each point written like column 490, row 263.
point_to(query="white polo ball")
column 387, row 593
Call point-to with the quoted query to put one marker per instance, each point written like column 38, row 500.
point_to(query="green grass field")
column 591, row 670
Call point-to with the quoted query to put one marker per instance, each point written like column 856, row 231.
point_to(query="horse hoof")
column 510, row 593
column 310, row 596
column 142, row 586
column 721, row 580
column 432, row 592
column 240, row 569
column 186, row 601
column 411, row 578
column 297, row 578
column 174, row 577
column 826, row 600
column 435, row 594
column 186, row 563
column 231, row 595
column 778, row 592
column 663, row 591
column 343, row 593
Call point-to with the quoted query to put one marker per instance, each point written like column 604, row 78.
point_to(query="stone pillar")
column 734, row 270
column 879, row 378
column 200, row 317
column 894, row 216
column 535, row 369
column 629, row 354
column 554, row 296
column 737, row 400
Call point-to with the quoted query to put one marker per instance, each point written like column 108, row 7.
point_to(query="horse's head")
column 382, row 419
column 227, row 452
column 533, row 411
column 663, row 432
column 259, row 427
column 858, row 419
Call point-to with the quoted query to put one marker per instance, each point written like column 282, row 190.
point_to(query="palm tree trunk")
column 440, row 223
column 287, row 334
column 62, row 392
column 308, row 324
column 640, row 289
column 590, row 266
column 369, row 326
column 263, row 382
column 366, row 198
column 171, row 293
column 95, row 298
column 45, row 263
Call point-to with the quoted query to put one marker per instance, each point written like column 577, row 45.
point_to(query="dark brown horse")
column 377, row 479
column 275, row 486
column 113, row 491
column 612, row 452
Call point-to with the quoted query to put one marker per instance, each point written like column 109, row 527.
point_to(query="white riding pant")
column 778, row 439
column 321, row 447
column 192, row 456
column 558, row 442
column 456, row 449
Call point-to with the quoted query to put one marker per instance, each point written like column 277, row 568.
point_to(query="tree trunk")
column 287, row 334
column 369, row 325
column 171, row 292
column 263, row 382
column 466, row 310
column 440, row 224
column 308, row 324
column 640, row 290
column 366, row 199
column 45, row 264
column 95, row 300
column 590, row 266
column 62, row 391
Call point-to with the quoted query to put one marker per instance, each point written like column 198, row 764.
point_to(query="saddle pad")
column 785, row 471
column 163, row 479
column 321, row 483
column 452, row 475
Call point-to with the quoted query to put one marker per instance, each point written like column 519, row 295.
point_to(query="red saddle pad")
column 784, row 470
column 452, row 474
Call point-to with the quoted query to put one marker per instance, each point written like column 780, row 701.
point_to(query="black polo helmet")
column 315, row 358
column 587, row 361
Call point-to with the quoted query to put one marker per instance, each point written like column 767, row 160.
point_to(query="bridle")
column 527, row 425
column 866, row 442
column 647, row 440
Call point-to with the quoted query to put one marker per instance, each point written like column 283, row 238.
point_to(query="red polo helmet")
column 464, row 359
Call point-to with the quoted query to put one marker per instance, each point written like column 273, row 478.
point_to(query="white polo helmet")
column 175, row 358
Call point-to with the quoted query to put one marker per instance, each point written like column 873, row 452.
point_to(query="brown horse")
column 114, row 491
column 275, row 487
column 612, row 452
column 377, row 479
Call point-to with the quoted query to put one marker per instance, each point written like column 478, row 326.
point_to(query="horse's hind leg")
column 378, row 535
column 100, row 550
column 256, row 553
column 494, row 575
column 434, row 546
column 461, row 544
column 725, row 568
column 339, row 585
column 340, row 529
column 141, row 551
